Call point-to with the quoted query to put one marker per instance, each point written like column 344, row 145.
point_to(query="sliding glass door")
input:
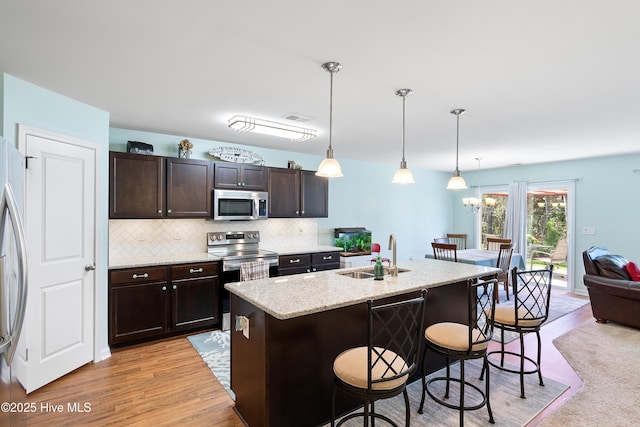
column 550, row 228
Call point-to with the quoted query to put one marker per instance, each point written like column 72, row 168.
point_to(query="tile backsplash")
column 153, row 237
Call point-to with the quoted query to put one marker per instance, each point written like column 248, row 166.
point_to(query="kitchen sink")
column 366, row 273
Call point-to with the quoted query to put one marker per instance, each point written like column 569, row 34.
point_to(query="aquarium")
column 353, row 241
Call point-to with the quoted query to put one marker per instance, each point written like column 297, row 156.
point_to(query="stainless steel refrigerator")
column 13, row 279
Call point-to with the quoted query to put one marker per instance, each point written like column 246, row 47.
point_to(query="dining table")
column 485, row 258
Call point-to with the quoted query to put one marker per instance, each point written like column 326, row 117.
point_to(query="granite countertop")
column 132, row 262
column 287, row 297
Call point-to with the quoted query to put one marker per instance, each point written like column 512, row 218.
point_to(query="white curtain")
column 515, row 227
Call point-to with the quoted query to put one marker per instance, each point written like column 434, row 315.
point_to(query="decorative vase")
column 184, row 154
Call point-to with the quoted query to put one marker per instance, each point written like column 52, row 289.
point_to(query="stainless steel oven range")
column 234, row 248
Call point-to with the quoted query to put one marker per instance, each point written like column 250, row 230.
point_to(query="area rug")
column 215, row 349
column 606, row 358
column 559, row 305
column 508, row 408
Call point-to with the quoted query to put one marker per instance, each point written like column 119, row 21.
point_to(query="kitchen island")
column 281, row 362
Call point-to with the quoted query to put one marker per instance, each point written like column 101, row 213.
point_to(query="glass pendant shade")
column 329, row 167
column 403, row 175
column 456, row 182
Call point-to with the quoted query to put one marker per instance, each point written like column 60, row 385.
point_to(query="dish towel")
column 253, row 270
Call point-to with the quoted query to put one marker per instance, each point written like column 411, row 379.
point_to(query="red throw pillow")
column 633, row 271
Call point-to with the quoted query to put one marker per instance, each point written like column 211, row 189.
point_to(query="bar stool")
column 463, row 342
column 531, row 294
column 380, row 369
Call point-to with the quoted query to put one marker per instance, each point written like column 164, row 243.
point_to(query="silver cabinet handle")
column 191, row 270
column 159, row 211
column 325, row 258
column 89, row 267
column 294, row 261
column 164, row 288
column 140, row 276
column 175, row 287
column 168, row 210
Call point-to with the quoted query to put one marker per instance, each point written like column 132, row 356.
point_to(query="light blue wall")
column 606, row 196
column 28, row 104
column 363, row 197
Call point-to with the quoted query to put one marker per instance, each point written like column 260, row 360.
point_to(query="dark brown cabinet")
column 237, row 176
column 153, row 302
column 307, row 263
column 144, row 186
column 297, row 193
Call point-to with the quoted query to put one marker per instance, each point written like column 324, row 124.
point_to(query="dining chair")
column 459, row 239
column 375, row 249
column 381, row 369
column 531, row 294
column 504, row 262
column 463, row 341
column 493, row 243
column 445, row 251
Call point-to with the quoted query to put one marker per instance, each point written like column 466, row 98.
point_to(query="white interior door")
column 60, row 223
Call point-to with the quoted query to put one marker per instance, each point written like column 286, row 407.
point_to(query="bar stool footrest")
column 498, row 365
column 449, row 405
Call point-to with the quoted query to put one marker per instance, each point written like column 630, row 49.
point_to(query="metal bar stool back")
column 531, row 292
column 380, row 369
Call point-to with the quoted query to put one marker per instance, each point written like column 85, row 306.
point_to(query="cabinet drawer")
column 192, row 271
column 298, row 260
column 321, row 258
column 138, row 275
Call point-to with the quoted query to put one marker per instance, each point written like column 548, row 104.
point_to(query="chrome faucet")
column 393, row 269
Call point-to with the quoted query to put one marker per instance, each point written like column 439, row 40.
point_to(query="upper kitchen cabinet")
column 238, row 176
column 136, row 185
column 189, row 188
column 144, row 186
column 297, row 193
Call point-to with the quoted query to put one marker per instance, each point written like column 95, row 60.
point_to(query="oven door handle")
column 231, row 266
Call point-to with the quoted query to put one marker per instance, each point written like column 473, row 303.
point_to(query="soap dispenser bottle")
column 378, row 270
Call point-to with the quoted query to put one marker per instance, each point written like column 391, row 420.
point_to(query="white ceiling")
column 541, row 80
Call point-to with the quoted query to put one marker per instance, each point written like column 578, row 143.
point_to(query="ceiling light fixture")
column 403, row 175
column 457, row 182
column 244, row 124
column 330, row 167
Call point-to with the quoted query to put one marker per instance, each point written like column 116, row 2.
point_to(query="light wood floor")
column 167, row 383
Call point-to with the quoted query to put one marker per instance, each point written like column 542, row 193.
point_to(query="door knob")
column 89, row 267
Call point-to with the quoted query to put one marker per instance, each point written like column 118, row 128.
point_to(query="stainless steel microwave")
column 236, row 205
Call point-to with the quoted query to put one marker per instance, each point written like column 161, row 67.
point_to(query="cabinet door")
column 227, row 176
column 254, row 178
column 138, row 311
column 136, row 186
column 314, row 195
column 195, row 302
column 284, row 193
column 189, row 184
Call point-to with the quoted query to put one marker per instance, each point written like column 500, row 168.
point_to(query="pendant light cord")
column 331, row 109
column 457, row 137
column 404, row 98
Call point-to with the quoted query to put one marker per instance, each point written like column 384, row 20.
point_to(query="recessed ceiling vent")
column 297, row 118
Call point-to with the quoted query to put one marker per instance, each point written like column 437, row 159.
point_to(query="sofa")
column 614, row 295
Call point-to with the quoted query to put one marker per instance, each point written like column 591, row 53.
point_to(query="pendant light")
column 403, row 175
column 330, row 167
column 457, row 182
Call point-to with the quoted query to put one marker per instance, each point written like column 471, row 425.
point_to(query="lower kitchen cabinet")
column 154, row 302
column 307, row 263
